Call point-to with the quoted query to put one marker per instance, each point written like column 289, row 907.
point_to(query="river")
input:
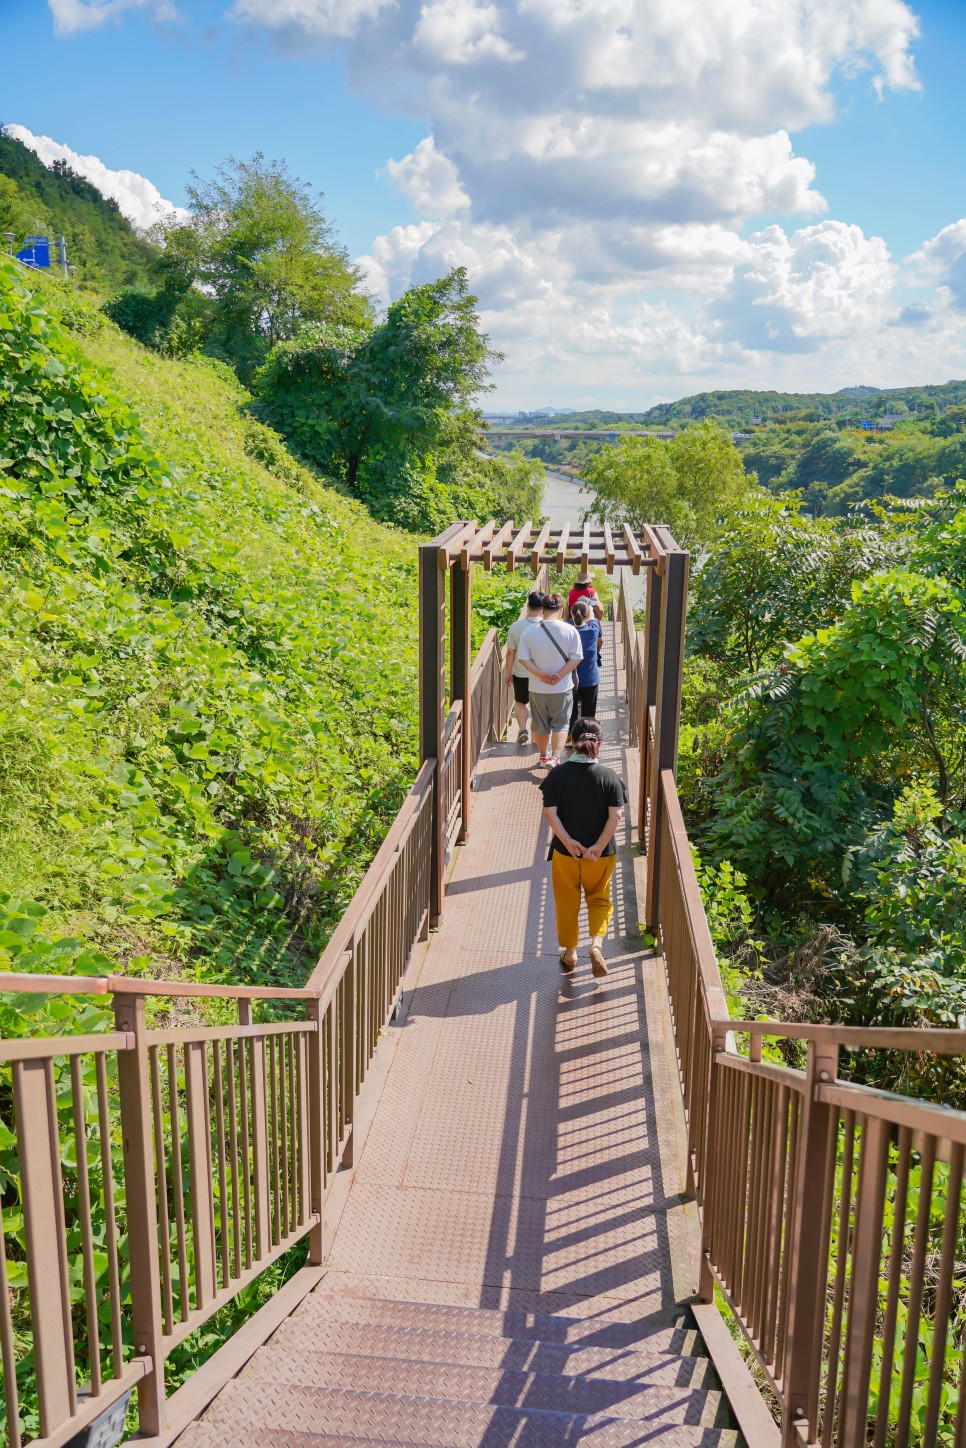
column 564, row 500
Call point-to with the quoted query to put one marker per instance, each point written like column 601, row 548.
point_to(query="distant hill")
column 739, row 409
column 104, row 246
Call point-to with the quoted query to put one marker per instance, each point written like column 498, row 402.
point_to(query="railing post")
column 432, row 702
column 667, row 713
column 712, row 1156
column 134, row 1093
column 808, row 1253
column 317, row 1127
column 38, row 1147
column 460, row 664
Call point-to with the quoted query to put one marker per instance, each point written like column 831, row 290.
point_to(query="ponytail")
column 587, row 738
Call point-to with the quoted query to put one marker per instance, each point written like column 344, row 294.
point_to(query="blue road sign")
column 35, row 251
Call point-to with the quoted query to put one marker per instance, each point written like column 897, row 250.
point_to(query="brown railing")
column 831, row 1213
column 160, row 1167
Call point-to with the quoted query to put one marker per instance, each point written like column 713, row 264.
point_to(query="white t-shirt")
column 515, row 633
column 537, row 646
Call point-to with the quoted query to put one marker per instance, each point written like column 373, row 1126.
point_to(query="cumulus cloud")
column 457, row 32
column 71, row 16
column 312, row 20
column 138, row 198
column 942, row 259
column 795, row 292
column 429, row 181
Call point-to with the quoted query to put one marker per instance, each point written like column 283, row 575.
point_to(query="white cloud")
column 457, row 32
column 312, row 20
column 138, row 198
column 71, row 16
column 429, row 181
column 795, row 292
column 942, row 259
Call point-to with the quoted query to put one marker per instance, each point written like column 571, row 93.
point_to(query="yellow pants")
column 593, row 877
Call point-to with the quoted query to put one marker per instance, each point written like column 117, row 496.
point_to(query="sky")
column 651, row 197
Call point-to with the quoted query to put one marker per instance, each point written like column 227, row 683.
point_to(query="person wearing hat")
column 584, row 588
column 516, row 674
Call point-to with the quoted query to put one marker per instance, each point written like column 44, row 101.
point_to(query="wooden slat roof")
column 589, row 546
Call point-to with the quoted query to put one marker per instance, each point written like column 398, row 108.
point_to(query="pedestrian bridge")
column 535, row 1209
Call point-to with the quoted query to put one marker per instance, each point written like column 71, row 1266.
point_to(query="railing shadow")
column 579, row 1226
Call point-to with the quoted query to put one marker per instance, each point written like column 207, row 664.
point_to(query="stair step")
column 427, row 1345
column 679, row 1336
column 626, row 1397
column 497, row 1429
column 257, row 1407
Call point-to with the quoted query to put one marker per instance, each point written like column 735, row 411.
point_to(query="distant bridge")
column 593, row 435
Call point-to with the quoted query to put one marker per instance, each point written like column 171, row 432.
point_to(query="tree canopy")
column 690, row 483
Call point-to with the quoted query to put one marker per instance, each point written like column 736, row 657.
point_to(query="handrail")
column 815, row 1194
column 232, row 1133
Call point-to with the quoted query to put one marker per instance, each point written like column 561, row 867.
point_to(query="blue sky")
column 651, row 196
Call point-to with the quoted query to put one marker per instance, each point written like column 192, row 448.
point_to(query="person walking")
column 582, row 803
column 550, row 651
column 516, row 674
column 587, row 677
column 584, row 588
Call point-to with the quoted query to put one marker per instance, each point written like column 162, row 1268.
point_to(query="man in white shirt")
column 550, row 651
column 516, row 674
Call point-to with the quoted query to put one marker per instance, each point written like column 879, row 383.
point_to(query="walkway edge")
column 190, row 1401
column 755, row 1421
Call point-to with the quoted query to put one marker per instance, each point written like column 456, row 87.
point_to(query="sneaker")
column 523, row 737
column 548, row 761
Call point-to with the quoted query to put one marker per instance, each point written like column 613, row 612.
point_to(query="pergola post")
column 654, row 589
column 460, row 664
column 667, row 712
column 432, row 700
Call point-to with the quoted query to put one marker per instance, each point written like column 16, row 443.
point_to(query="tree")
column 690, row 483
column 850, row 713
column 388, row 410
column 259, row 247
column 773, row 575
column 17, row 215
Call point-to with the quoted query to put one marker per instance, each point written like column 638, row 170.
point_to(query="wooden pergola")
column 452, row 739
column 548, row 546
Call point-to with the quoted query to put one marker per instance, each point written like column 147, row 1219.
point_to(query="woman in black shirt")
column 582, row 803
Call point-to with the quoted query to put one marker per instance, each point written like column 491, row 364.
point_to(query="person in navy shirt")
column 587, row 673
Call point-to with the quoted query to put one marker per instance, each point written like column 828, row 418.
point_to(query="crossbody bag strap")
column 565, row 656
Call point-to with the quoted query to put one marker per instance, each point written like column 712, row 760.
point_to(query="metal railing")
column 157, row 1171
column 831, row 1213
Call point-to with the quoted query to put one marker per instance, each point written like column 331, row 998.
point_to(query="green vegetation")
column 199, row 758
column 689, row 483
column 388, row 410
column 54, row 202
column 256, row 279
column 824, row 759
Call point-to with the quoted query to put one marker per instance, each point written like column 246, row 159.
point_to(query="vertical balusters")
column 246, row 1172
column 8, row 1354
column 841, row 1275
column 893, row 1284
column 222, row 1152
column 941, row 1310
column 161, row 1177
column 237, row 1208
column 110, row 1220
column 85, row 1223
column 177, row 1184
column 271, row 1045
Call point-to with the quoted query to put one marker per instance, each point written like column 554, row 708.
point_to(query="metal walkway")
column 514, row 1257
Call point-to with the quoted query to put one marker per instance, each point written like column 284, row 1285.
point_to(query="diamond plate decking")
column 515, row 1256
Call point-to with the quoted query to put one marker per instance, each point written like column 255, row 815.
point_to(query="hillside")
column 208, row 697
column 102, row 243
column 738, row 408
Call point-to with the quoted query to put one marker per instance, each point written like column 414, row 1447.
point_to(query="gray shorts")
column 550, row 712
